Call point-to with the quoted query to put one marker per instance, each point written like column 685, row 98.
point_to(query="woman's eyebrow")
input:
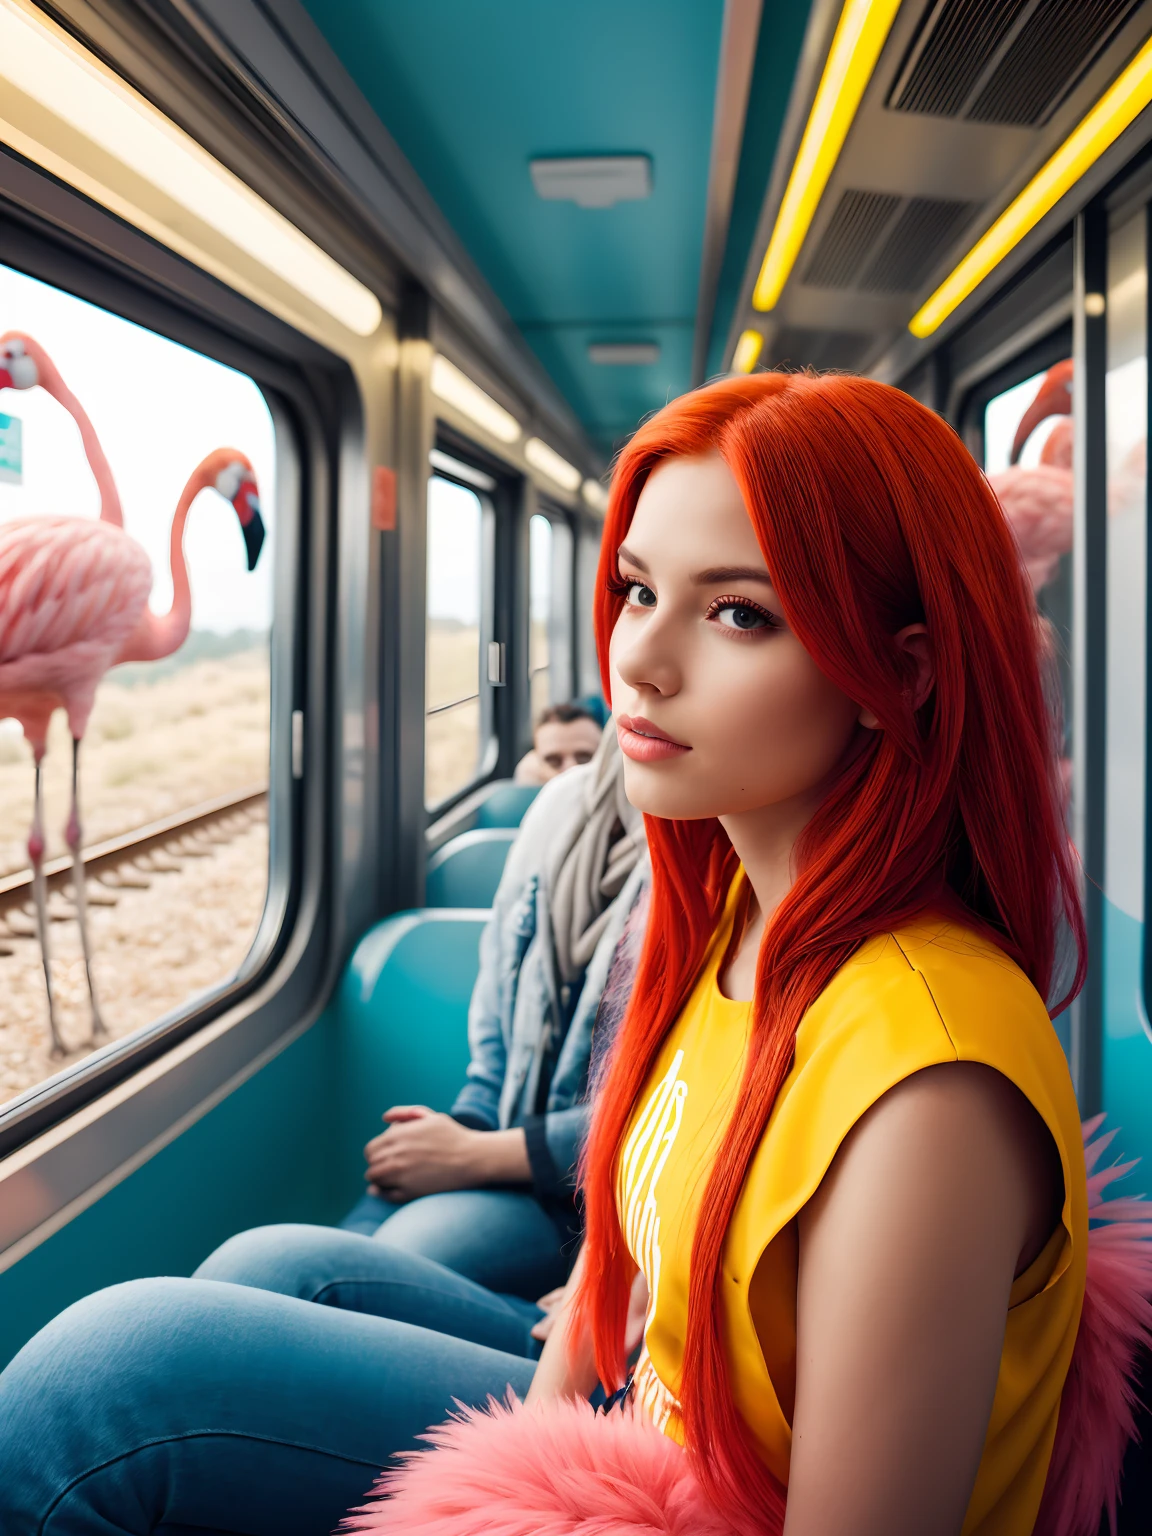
column 724, row 573
column 624, row 553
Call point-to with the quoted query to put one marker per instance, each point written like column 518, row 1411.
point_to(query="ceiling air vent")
column 1051, row 50
column 877, row 243
column 1003, row 61
column 920, row 236
column 796, row 348
column 951, row 51
column 848, row 236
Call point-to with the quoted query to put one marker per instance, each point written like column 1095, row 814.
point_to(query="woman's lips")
column 644, row 742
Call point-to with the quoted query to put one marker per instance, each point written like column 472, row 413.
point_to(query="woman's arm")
column 943, row 1192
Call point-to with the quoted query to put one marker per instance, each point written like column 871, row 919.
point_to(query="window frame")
column 59, row 238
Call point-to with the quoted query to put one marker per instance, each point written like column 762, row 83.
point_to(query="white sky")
column 454, row 559
column 158, row 409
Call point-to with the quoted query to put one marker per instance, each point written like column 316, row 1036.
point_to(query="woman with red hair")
column 836, row 1142
column 837, row 1135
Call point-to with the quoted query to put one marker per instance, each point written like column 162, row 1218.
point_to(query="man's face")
column 560, row 747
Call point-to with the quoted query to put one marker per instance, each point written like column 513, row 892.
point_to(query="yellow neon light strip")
column 861, row 34
column 747, row 352
column 1120, row 104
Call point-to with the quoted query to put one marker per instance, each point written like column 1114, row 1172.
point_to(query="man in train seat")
column 566, row 736
column 487, row 1191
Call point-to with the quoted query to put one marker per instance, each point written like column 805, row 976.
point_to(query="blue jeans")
column 362, row 1274
column 501, row 1238
column 209, row 1408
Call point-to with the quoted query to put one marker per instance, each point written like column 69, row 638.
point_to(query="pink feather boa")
column 1098, row 1404
column 560, row 1469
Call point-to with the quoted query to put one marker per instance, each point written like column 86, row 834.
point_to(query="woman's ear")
column 916, row 644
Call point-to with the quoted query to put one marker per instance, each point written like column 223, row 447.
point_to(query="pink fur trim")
column 556, row 1469
column 1097, row 1408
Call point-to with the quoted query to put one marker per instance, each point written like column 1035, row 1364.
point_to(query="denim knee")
column 291, row 1258
column 76, row 1387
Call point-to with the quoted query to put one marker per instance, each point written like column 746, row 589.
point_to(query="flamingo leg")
column 40, row 896
column 79, row 891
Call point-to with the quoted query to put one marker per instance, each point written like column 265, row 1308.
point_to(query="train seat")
column 403, row 1014
column 466, row 871
column 504, row 803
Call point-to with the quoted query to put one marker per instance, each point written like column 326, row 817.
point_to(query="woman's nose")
column 644, row 656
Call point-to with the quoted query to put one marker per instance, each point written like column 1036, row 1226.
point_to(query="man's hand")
column 420, row 1153
column 423, row 1153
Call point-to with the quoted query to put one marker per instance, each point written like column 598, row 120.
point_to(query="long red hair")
column 871, row 515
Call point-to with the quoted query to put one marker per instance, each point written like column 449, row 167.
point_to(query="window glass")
column 1028, row 458
column 453, row 738
column 540, row 597
column 178, row 741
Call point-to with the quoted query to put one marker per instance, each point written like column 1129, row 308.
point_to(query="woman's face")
column 719, row 708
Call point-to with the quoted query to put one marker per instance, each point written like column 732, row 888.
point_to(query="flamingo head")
column 1054, row 398
column 18, row 366
column 233, row 476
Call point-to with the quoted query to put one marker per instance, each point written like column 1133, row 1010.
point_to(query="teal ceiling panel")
column 473, row 91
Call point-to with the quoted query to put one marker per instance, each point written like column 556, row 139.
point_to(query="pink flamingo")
column 25, row 364
column 73, row 602
column 1038, row 501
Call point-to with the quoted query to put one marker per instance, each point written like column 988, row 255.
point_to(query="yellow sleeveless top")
column 927, row 993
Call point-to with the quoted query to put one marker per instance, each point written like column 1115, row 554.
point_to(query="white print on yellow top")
column 645, row 1153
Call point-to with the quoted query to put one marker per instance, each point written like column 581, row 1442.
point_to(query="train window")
column 455, row 743
column 1028, row 456
column 103, row 419
column 1126, row 406
column 549, row 611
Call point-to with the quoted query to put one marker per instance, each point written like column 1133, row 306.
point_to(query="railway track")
column 127, row 862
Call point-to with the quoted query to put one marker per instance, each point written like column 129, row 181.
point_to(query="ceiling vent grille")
column 850, row 233
column 1049, row 53
column 1003, row 61
column 796, row 348
column 916, row 241
column 949, row 54
column 878, row 243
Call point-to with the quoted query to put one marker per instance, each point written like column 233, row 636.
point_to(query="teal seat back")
column 505, row 805
column 403, row 1025
column 467, row 870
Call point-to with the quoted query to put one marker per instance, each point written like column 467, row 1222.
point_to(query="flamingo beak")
column 253, row 531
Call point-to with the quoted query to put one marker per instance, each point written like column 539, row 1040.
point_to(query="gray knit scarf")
column 591, row 868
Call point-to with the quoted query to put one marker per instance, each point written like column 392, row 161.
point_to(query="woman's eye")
column 640, row 596
column 740, row 616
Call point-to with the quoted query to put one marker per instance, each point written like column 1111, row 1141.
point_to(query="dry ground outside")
column 152, row 749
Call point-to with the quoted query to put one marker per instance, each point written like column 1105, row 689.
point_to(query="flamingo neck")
column 159, row 635
column 51, row 381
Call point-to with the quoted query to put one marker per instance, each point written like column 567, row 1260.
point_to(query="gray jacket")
column 523, row 1027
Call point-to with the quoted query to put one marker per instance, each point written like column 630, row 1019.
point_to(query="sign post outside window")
column 11, row 450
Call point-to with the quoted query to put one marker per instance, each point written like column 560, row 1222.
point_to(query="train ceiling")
column 588, row 191
column 474, row 93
